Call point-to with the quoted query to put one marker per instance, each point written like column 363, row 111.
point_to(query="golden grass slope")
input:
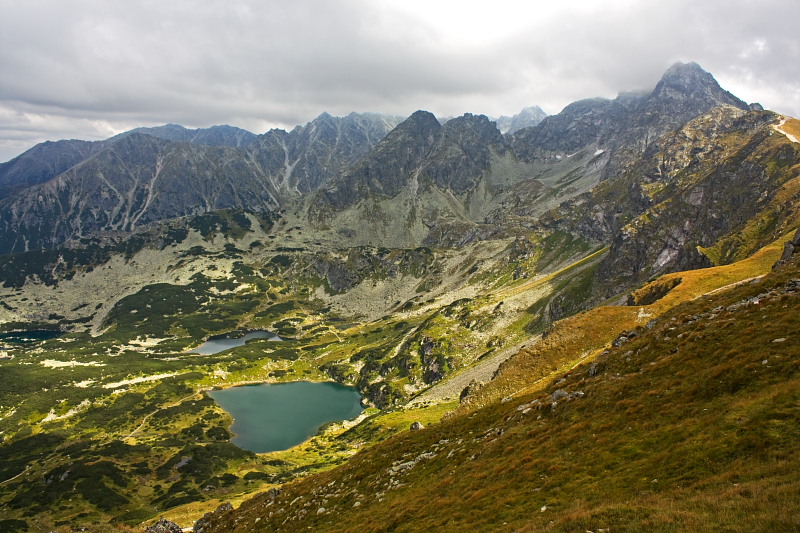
column 690, row 426
column 583, row 336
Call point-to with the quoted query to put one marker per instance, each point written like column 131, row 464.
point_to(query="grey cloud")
column 94, row 66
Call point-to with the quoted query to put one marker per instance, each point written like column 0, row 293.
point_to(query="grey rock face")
column 527, row 118
column 164, row 526
column 138, row 178
column 44, row 162
column 789, row 249
column 387, row 168
column 222, row 135
column 304, row 159
column 135, row 181
column 463, row 152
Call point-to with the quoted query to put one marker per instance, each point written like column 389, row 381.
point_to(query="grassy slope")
column 583, row 336
column 161, row 421
column 689, row 426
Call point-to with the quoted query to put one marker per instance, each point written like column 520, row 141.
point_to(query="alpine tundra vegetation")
column 579, row 322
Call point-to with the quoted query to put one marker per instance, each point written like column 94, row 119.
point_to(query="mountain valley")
column 590, row 319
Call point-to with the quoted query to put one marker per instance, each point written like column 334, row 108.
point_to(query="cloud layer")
column 91, row 68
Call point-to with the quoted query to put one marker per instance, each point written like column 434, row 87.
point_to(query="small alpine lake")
column 230, row 340
column 272, row 417
column 30, row 336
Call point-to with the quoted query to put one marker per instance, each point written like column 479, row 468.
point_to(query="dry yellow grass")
column 684, row 428
column 581, row 337
column 792, row 127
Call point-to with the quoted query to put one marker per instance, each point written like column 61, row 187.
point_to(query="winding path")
column 146, row 418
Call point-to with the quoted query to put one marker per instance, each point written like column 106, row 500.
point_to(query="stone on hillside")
column 619, row 341
column 789, row 249
column 473, row 387
column 559, row 394
column 202, row 523
column 164, row 526
column 416, row 426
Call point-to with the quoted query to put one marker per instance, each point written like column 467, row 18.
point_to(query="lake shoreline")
column 269, row 417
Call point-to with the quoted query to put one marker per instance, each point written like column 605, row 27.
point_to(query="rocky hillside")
column 136, row 180
column 222, row 135
column 528, row 117
column 66, row 191
column 685, row 424
column 568, row 292
column 42, row 163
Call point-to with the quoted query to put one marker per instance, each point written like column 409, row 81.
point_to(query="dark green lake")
column 29, row 336
column 272, row 417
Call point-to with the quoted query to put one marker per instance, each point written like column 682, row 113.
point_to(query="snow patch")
column 85, row 404
column 142, row 379
column 779, row 129
column 52, row 363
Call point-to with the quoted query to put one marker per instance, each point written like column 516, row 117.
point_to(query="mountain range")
column 546, row 281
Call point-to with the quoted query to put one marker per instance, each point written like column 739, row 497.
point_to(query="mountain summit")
column 467, row 169
column 686, row 89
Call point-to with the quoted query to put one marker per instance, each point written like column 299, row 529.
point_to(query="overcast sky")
column 89, row 69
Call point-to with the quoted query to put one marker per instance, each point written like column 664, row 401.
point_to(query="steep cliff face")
column 43, row 162
column 302, row 160
column 73, row 189
column 135, row 181
column 463, row 153
column 387, row 169
column 423, row 183
column 728, row 181
column 710, row 180
column 222, row 135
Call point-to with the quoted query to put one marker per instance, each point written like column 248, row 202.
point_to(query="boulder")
column 789, row 249
column 164, row 526
column 202, row 524
column 558, row 394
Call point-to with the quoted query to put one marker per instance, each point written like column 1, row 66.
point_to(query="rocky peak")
column 44, row 162
column 309, row 156
column 527, row 118
column 579, row 124
column 689, row 82
column 477, row 127
column 221, row 135
column 421, row 123
column 386, row 169
column 463, row 152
